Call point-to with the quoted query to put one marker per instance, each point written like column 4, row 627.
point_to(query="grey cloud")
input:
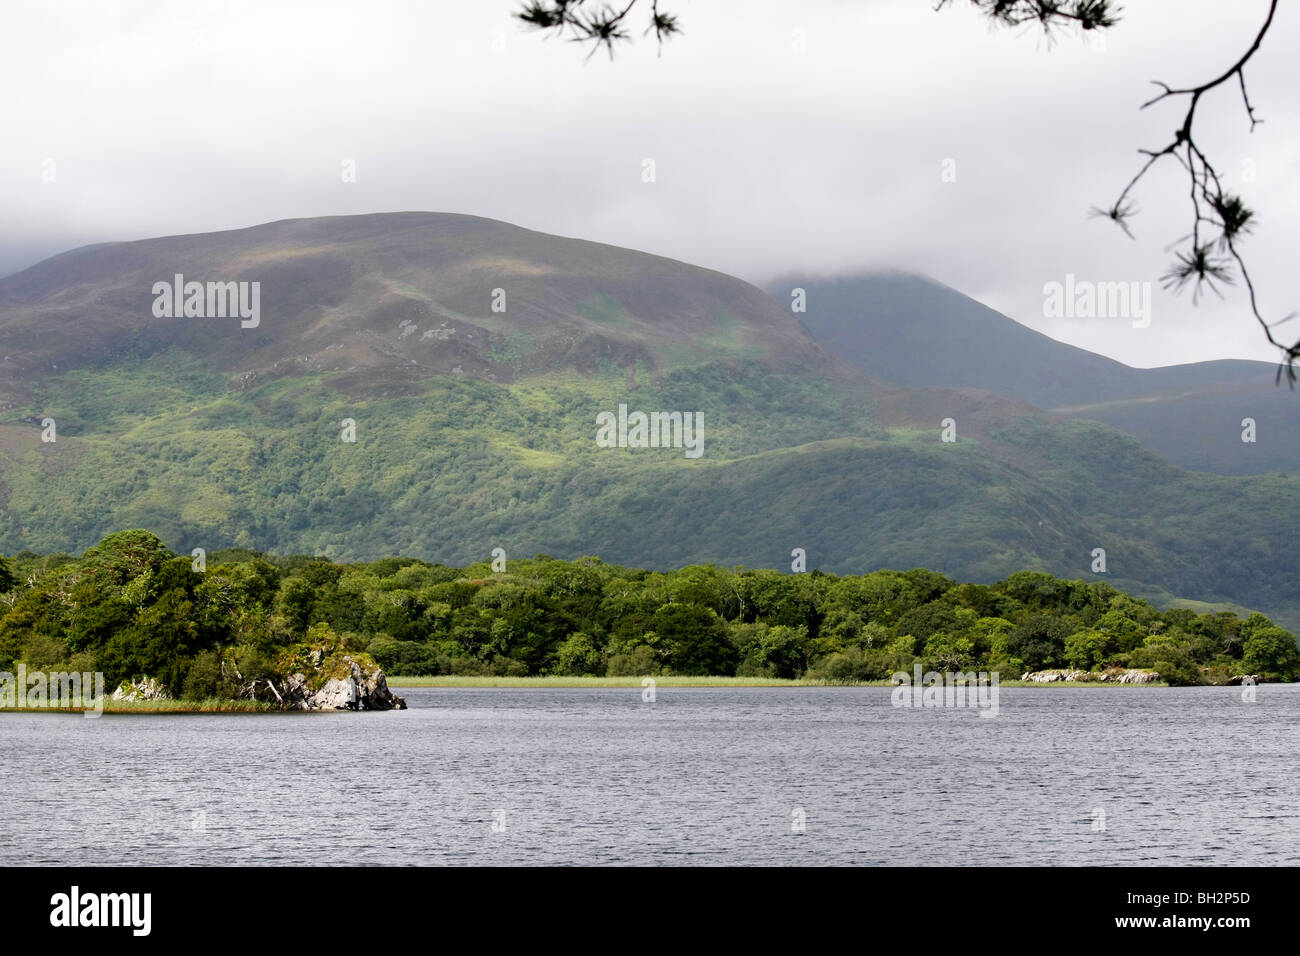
column 219, row 115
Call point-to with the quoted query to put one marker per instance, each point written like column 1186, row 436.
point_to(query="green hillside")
column 917, row 332
column 217, row 437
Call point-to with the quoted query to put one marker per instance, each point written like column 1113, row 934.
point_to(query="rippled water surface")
column 702, row 776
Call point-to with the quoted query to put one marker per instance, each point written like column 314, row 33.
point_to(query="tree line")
column 131, row 608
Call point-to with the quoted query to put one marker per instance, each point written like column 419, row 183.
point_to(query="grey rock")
column 147, row 689
column 1137, row 676
column 361, row 689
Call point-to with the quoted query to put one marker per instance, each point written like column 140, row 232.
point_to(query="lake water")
column 699, row 776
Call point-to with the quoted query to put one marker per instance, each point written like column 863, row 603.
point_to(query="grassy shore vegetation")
column 588, row 680
column 211, row 705
column 558, row 682
column 129, row 607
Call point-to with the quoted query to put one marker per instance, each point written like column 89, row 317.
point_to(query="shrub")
column 850, row 666
column 578, row 655
column 203, row 681
column 641, row 661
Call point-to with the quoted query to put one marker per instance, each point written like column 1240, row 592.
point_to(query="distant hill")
column 914, row 331
column 409, row 293
column 475, row 429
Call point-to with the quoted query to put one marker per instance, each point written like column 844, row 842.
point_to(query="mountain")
column 476, row 429
column 914, row 331
column 404, row 292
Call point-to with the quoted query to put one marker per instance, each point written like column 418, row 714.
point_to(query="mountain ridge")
column 216, row 436
column 362, row 287
column 918, row 332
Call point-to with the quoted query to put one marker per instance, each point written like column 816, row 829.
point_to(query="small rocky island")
column 1119, row 675
column 322, row 676
column 1112, row 675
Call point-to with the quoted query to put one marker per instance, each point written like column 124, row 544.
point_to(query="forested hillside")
column 914, row 331
column 476, row 428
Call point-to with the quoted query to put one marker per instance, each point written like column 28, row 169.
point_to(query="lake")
column 1114, row 776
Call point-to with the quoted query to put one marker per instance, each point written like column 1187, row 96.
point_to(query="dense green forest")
column 130, row 608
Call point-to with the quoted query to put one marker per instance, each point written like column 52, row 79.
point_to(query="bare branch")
column 1198, row 264
column 597, row 22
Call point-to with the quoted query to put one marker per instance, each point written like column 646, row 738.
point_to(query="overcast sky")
column 805, row 136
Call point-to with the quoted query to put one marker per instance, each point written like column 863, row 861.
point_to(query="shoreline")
column 575, row 683
column 158, row 707
column 448, row 682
